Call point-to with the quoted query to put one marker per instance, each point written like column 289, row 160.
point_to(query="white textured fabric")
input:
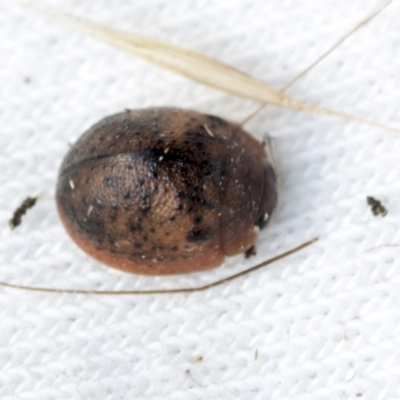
column 322, row 324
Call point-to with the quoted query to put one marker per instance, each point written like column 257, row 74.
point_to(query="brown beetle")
column 165, row 191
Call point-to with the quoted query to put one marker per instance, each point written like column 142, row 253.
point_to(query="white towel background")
column 322, row 324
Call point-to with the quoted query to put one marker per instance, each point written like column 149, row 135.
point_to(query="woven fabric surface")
column 321, row 324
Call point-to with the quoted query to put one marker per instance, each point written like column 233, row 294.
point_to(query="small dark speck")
column 198, row 235
column 198, row 220
column 28, row 203
column 359, row 395
column 134, row 227
column 376, row 207
column 196, row 359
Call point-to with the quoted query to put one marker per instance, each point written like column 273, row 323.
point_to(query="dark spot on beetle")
column 113, row 211
column 134, row 227
column 93, row 227
column 126, row 194
column 145, row 238
column 209, row 205
column 152, row 230
column 129, row 167
column 113, row 215
column 92, row 150
column 167, row 233
column 138, row 245
column 93, row 168
column 174, row 248
column 72, row 211
column 172, row 218
column 199, row 235
column 88, row 180
column 140, row 182
column 113, row 181
column 196, row 199
column 153, row 248
column 198, row 220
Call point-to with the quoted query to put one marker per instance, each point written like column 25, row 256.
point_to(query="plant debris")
column 376, row 206
column 28, row 203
